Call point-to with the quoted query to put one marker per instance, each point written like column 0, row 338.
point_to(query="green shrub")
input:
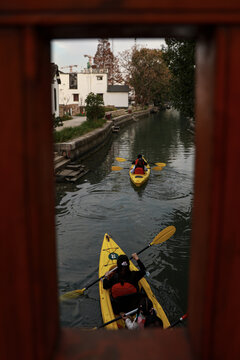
column 66, row 117
column 94, row 107
column 57, row 121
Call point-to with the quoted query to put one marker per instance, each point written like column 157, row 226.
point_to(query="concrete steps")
column 66, row 171
column 71, row 173
column 61, row 165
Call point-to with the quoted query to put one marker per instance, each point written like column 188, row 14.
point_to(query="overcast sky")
column 71, row 52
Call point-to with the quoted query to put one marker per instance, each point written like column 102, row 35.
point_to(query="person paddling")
column 139, row 165
column 123, row 284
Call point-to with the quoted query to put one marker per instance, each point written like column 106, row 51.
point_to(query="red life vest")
column 139, row 166
column 121, row 290
column 139, row 171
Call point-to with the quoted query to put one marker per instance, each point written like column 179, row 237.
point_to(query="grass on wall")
column 74, row 132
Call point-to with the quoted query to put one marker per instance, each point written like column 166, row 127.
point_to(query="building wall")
column 86, row 83
column 118, row 99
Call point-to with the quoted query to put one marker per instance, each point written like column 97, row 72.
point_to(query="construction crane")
column 69, row 66
column 89, row 65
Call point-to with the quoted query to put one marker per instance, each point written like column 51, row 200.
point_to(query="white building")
column 55, row 89
column 75, row 87
column 117, row 95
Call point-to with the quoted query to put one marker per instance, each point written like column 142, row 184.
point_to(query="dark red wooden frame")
column 29, row 322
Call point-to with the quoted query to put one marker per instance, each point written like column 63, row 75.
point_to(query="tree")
column 104, row 59
column 146, row 72
column 180, row 58
column 94, row 107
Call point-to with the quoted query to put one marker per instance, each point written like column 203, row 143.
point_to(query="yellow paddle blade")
column 160, row 164
column 157, row 168
column 164, row 235
column 116, row 168
column 72, row 294
column 120, row 159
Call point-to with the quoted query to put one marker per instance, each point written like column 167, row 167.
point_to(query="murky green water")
column 106, row 201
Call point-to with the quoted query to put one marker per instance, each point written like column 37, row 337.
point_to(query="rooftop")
column 118, row 88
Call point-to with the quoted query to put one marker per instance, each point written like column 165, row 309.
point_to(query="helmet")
column 122, row 261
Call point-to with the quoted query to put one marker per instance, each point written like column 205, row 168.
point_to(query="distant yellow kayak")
column 139, row 179
column 108, row 260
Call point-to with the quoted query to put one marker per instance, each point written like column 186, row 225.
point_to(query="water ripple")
column 106, row 201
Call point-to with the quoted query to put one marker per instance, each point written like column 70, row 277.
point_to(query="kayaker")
column 139, row 165
column 125, row 295
column 146, row 316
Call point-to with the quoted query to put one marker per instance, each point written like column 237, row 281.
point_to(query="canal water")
column 105, row 201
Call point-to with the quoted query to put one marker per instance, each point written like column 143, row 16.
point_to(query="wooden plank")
column 28, row 320
column 205, row 84
column 74, row 21
column 40, row 188
column 174, row 5
column 213, row 294
column 14, row 264
column 226, row 328
column 150, row 344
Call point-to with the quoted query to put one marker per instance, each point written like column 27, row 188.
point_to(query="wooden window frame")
column 75, row 95
column 29, row 320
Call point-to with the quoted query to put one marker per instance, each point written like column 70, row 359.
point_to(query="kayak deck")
column 108, row 260
column 139, row 179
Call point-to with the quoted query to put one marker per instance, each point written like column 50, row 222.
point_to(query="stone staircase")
column 60, row 162
column 67, row 171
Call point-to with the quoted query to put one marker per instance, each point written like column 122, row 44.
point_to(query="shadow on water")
column 107, row 201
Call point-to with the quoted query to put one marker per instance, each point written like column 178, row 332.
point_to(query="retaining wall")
column 93, row 140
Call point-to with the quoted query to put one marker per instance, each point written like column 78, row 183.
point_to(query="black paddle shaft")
column 117, row 318
column 110, row 322
column 94, row 282
column 178, row 321
column 141, row 251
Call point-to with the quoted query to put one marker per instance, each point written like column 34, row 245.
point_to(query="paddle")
column 178, row 321
column 158, row 163
column 164, row 235
column 117, row 168
column 117, row 318
column 133, row 312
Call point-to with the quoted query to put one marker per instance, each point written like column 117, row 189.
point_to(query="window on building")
column 55, row 99
column 99, row 77
column 75, row 97
column 72, row 81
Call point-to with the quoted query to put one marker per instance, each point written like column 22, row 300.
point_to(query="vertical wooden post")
column 29, row 312
column 214, row 295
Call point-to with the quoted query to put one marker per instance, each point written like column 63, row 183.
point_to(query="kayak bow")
column 108, row 260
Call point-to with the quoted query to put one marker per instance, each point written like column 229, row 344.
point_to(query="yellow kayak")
column 139, row 179
column 108, row 260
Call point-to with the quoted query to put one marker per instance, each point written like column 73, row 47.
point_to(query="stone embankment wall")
column 92, row 141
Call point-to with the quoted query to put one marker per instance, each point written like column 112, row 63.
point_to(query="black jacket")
column 132, row 277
